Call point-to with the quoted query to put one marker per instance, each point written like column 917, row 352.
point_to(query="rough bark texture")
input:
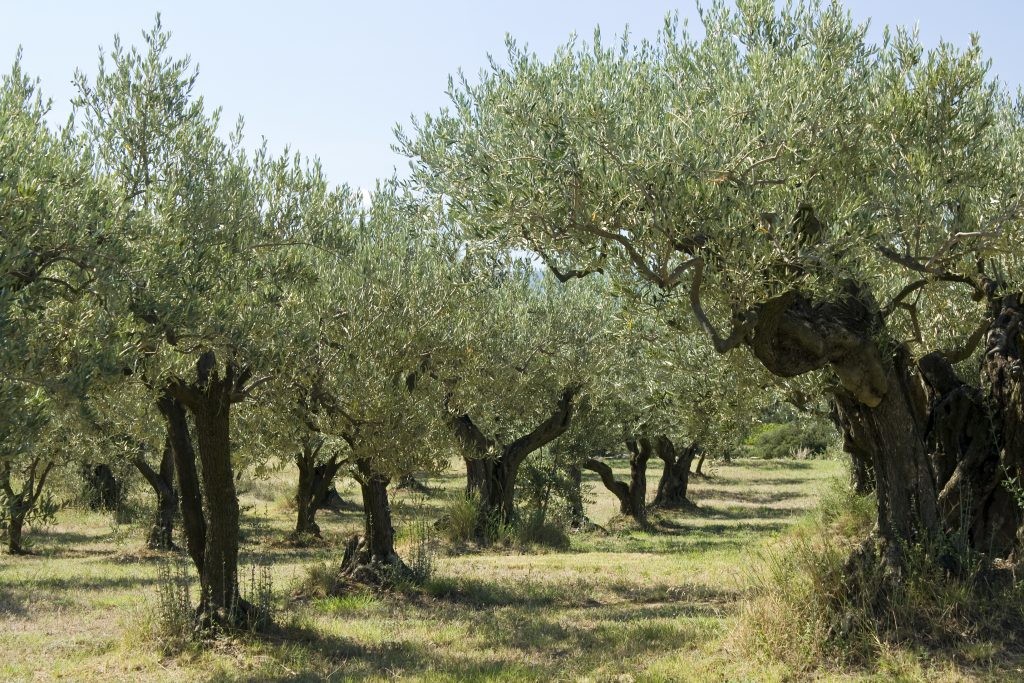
column 632, row 495
column 879, row 402
column 314, row 487
column 371, row 558
column 161, row 534
column 675, row 475
column 491, row 469
column 209, row 400
column 193, row 520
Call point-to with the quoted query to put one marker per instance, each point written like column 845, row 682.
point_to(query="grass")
column 643, row 605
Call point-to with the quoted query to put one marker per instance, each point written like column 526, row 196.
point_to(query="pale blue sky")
column 331, row 78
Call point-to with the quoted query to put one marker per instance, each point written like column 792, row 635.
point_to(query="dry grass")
column 630, row 605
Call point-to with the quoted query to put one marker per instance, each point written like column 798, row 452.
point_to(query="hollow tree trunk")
column 675, row 476
column 193, row 519
column 632, row 495
column 161, row 534
column 315, row 484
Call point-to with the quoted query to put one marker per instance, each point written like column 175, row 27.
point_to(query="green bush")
column 790, row 439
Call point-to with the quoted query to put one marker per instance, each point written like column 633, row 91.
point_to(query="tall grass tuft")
column 821, row 599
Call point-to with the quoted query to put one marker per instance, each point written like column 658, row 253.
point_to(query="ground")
column 656, row 605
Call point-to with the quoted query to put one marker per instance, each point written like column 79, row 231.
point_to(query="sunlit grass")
column 653, row 605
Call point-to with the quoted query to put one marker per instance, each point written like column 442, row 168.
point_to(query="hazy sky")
column 332, row 78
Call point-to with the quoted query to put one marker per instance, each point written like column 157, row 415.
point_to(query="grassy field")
column 623, row 606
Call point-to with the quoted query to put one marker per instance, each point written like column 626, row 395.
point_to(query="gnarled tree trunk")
column 632, row 496
column 21, row 503
column 372, row 558
column 314, row 487
column 492, row 478
column 193, row 520
column 103, row 491
column 675, row 475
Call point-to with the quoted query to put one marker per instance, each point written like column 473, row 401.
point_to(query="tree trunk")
column 577, row 515
column 675, row 476
column 314, row 487
column 193, row 519
column 861, row 473
column 103, row 492
column 219, row 579
column 20, row 504
column 699, row 470
column 631, row 496
column 879, row 401
column 209, row 400
column 372, row 558
column 161, row 535
column 493, row 477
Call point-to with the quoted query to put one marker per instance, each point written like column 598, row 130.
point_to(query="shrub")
column 790, row 439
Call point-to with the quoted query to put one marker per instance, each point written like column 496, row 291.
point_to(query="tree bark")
column 102, row 488
column 675, row 476
column 193, row 519
column 21, row 503
column 315, row 485
column 372, row 558
column 577, row 515
column 878, row 399
column 699, row 469
column 161, row 535
column 492, row 478
column 632, row 495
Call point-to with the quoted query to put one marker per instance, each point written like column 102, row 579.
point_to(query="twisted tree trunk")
column 675, row 476
column 21, row 503
column 492, row 477
column 372, row 558
column 314, row 486
column 631, row 495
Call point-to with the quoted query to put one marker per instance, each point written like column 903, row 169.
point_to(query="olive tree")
column 204, row 297
column 782, row 178
column 52, row 217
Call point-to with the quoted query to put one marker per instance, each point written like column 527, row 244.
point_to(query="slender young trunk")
column 699, row 470
column 161, row 535
column 675, row 476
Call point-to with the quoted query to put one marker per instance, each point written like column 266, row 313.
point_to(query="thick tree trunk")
column 209, row 399
column 492, row 478
column 15, row 531
column 879, row 401
column 314, row 487
column 219, row 579
column 193, row 519
column 161, row 535
column 675, row 476
column 372, row 558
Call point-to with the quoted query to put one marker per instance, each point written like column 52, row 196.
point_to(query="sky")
column 331, row 79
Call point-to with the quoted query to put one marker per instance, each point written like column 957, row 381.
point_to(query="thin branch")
column 739, row 332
